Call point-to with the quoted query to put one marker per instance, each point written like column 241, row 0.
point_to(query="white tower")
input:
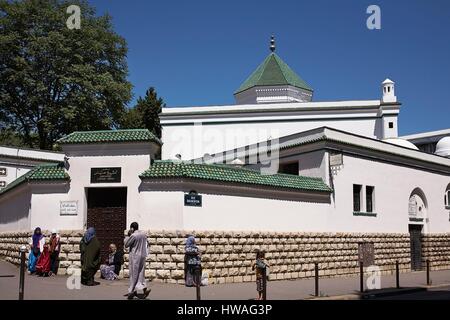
column 389, row 91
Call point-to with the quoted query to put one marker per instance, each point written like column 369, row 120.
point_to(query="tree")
column 145, row 114
column 55, row 80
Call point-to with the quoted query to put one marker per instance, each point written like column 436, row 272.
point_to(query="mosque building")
column 276, row 162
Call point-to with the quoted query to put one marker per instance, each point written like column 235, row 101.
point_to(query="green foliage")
column 145, row 114
column 54, row 80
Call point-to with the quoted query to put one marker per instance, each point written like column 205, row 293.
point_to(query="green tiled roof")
column 109, row 136
column 226, row 173
column 272, row 72
column 49, row 172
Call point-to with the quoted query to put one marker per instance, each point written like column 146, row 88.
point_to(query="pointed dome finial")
column 272, row 43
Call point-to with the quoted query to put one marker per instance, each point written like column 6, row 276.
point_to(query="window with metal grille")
column 447, row 198
column 370, row 198
column 357, row 197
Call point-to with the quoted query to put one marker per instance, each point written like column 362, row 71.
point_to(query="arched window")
column 417, row 206
column 447, row 197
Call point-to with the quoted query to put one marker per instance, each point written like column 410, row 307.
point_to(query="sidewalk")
column 55, row 287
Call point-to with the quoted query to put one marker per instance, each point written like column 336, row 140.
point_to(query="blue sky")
column 198, row 52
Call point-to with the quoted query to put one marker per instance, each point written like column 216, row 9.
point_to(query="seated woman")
column 111, row 269
column 43, row 263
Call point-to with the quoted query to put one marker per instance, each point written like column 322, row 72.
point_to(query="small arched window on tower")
column 447, row 197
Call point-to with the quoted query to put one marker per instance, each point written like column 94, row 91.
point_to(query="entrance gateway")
column 415, row 235
column 417, row 208
column 107, row 213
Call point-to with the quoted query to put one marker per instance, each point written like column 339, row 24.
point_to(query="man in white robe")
column 136, row 242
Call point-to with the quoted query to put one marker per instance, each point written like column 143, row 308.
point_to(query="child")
column 192, row 263
column 260, row 265
column 43, row 262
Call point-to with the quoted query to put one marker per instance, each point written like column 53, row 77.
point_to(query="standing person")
column 192, row 263
column 36, row 247
column 136, row 241
column 43, row 263
column 111, row 269
column 90, row 257
column 259, row 266
column 55, row 247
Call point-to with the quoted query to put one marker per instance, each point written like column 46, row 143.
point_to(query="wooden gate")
column 107, row 213
column 109, row 224
column 415, row 234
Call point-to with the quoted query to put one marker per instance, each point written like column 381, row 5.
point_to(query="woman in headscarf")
column 55, row 247
column 36, row 247
column 111, row 269
column 90, row 257
column 192, row 263
column 43, row 263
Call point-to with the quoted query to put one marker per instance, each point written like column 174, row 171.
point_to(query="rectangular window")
column 370, row 198
column 391, row 125
column 357, row 197
column 289, row 168
column 3, row 171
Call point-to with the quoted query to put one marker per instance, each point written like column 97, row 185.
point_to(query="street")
column 330, row 288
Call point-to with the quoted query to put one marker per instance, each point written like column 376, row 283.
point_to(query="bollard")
column 198, row 282
column 264, row 295
column 397, row 275
column 23, row 249
column 428, row 273
column 316, row 276
column 361, row 276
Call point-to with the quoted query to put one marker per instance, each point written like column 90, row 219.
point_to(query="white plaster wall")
column 15, row 210
column 393, row 186
column 159, row 210
column 390, row 132
column 13, row 171
column 314, row 164
column 193, row 141
column 80, row 173
column 45, row 208
column 220, row 212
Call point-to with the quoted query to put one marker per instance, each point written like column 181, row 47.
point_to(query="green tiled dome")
column 273, row 72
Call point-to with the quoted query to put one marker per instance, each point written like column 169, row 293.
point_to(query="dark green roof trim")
column 50, row 172
column 364, row 214
column 273, row 72
column 110, row 136
column 226, row 173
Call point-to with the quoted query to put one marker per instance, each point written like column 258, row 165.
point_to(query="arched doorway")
column 417, row 212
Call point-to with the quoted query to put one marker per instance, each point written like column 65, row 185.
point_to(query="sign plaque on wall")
column 336, row 159
column 106, row 175
column 193, row 200
column 366, row 253
column 68, row 208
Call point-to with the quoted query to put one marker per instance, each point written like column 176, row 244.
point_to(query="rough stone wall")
column 228, row 256
column 436, row 249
